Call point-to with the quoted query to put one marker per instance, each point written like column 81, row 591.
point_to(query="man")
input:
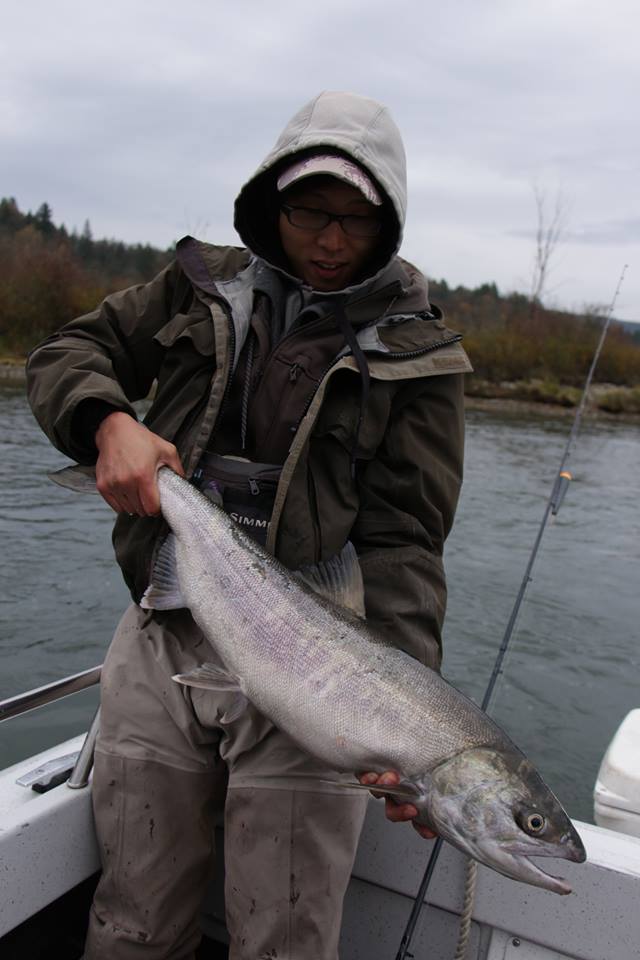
column 305, row 383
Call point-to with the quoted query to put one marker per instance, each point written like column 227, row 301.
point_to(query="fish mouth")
column 519, row 866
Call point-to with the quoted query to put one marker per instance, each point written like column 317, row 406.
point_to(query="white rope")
column 467, row 909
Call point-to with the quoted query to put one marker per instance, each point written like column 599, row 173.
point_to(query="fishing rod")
column 560, row 486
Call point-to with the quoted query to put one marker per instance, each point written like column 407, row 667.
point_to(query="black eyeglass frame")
column 328, row 218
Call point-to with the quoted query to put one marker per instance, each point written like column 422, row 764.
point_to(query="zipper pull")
column 293, row 373
column 254, row 486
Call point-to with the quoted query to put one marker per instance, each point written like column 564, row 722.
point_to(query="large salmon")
column 347, row 696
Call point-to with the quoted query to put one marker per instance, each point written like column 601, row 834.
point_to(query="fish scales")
column 348, row 697
column 372, row 704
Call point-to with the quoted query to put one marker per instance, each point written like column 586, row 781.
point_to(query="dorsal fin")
column 338, row 579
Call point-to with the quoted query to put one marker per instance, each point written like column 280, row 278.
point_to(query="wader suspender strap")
column 348, row 332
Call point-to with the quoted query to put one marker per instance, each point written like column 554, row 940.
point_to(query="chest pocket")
column 195, row 332
column 338, row 418
column 189, row 347
column 184, row 377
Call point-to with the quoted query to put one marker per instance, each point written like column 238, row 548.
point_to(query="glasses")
column 305, row 218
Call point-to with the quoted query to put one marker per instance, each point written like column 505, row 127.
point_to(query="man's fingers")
column 395, row 811
column 128, row 461
column 398, row 812
column 424, row 832
column 113, row 503
column 367, row 778
column 111, row 494
column 122, row 498
column 401, row 812
column 175, row 463
column 150, row 498
column 388, row 779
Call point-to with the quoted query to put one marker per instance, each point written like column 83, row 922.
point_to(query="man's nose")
column 332, row 237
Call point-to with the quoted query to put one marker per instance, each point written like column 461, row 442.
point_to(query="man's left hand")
column 395, row 811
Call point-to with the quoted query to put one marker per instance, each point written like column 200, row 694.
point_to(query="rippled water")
column 572, row 673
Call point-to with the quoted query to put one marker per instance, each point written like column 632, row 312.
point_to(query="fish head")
column 495, row 806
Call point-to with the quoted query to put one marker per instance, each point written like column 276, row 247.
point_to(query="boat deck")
column 50, row 864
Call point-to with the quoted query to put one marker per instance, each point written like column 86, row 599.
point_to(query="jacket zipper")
column 227, row 386
column 428, row 349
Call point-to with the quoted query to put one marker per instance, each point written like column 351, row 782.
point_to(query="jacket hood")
column 345, row 123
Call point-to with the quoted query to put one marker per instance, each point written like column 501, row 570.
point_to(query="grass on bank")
column 608, row 398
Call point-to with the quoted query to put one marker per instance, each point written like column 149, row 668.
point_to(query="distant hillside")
column 509, row 339
column 631, row 328
column 48, row 276
column 112, row 257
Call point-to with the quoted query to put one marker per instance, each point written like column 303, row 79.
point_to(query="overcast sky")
column 146, row 118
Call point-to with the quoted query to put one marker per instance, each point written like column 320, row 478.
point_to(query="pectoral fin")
column 164, row 592
column 397, row 791
column 211, row 676
column 402, row 794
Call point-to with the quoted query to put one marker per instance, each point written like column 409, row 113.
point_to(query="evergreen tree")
column 43, row 220
column 10, row 217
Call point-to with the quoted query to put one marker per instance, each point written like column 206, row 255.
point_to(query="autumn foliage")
column 48, row 276
column 507, row 343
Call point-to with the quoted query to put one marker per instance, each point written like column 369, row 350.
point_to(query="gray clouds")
column 609, row 232
column 146, row 118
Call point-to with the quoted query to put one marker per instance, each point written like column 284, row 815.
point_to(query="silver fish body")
column 348, row 697
column 357, row 702
column 345, row 695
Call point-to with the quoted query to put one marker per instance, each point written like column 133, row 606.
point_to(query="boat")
column 50, row 865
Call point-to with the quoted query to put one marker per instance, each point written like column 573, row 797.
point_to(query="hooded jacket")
column 183, row 332
column 358, row 128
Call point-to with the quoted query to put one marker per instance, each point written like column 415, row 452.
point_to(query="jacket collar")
column 377, row 310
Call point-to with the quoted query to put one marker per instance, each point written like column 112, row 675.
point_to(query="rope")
column 467, row 909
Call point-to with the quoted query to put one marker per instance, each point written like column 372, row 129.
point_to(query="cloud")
column 608, row 232
column 147, row 118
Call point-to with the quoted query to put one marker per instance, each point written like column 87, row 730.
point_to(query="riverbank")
column 606, row 401
column 534, row 397
column 543, row 410
column 12, row 369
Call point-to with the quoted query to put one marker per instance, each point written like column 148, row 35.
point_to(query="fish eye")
column 535, row 823
column 531, row 822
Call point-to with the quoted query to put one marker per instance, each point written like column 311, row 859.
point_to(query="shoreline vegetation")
column 605, row 402
column 525, row 355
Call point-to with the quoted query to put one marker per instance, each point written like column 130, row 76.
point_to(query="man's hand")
column 395, row 811
column 128, row 459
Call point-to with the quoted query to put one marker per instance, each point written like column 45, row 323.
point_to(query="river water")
column 572, row 672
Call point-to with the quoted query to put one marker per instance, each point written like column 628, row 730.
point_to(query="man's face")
column 328, row 258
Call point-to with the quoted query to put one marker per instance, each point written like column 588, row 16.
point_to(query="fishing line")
column 560, row 485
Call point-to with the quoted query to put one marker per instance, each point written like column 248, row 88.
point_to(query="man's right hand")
column 129, row 456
